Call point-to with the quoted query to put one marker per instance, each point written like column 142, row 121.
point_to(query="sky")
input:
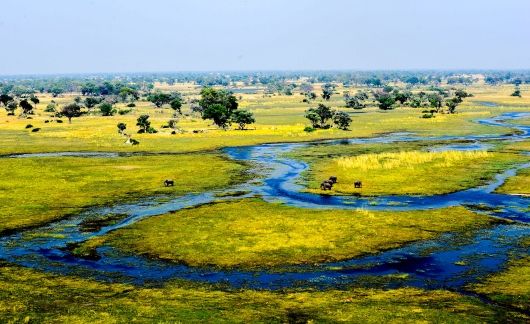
column 93, row 36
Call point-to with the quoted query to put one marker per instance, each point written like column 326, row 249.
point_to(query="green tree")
column 145, row 124
column 27, row 108
column 121, row 127
column 107, row 109
column 35, row 100
column 176, row 103
column 4, row 99
column 319, row 116
column 327, row 91
column 385, row 100
column 91, row 102
column 342, row 120
column 159, row 98
column 516, row 93
column 218, row 105
column 11, row 107
column 435, row 100
column 243, row 118
column 71, row 110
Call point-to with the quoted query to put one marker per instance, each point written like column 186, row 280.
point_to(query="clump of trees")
column 144, row 124
column 220, row 106
column 71, row 110
column 516, row 92
column 322, row 115
column 107, row 109
column 327, row 91
column 356, row 101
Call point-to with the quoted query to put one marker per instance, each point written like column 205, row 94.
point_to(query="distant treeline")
column 112, row 84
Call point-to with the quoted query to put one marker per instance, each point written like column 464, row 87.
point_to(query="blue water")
column 450, row 261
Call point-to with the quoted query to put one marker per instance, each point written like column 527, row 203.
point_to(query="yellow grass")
column 409, row 160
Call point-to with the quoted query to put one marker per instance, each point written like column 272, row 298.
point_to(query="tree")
column 452, row 104
column 327, row 91
column 144, row 124
column 385, row 100
column 219, row 114
column 342, row 120
column 310, row 96
column 51, row 108
column 91, row 102
column 107, row 109
column 176, row 103
column 516, row 93
column 121, row 127
column 71, row 110
column 313, row 117
column 356, row 101
column 56, row 90
column 35, row 100
column 11, row 107
column 243, row 118
column 319, row 116
column 218, row 105
column 127, row 93
column 435, row 100
column 27, row 108
column 5, row 99
column 402, row 96
column 159, row 98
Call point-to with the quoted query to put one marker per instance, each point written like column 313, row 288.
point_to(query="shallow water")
column 449, row 261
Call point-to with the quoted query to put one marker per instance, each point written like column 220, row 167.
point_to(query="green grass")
column 279, row 119
column 251, row 233
column 511, row 287
column 30, row 296
column 38, row 190
column 400, row 168
column 520, row 184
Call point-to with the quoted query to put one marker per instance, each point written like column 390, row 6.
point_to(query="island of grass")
column 48, row 188
column 510, row 287
column 401, row 168
column 28, row 296
column 251, row 233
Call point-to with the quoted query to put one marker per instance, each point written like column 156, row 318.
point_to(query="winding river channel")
column 450, row 261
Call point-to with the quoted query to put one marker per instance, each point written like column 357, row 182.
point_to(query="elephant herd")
column 328, row 184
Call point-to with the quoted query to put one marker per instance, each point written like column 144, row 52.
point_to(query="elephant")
column 358, row 184
column 169, row 183
column 325, row 185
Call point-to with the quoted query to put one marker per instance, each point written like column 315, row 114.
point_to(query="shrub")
column 309, row 129
column 29, row 126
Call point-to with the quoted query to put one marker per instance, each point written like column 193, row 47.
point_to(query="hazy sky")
column 69, row 36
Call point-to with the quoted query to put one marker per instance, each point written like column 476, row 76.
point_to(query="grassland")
column 402, row 168
column 279, row 119
column 37, row 190
column 511, row 286
column 250, row 233
column 30, row 296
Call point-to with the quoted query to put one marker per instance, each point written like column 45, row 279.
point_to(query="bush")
column 132, row 104
column 427, row 116
column 124, row 111
column 29, row 126
column 34, row 130
column 59, row 121
column 309, row 129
